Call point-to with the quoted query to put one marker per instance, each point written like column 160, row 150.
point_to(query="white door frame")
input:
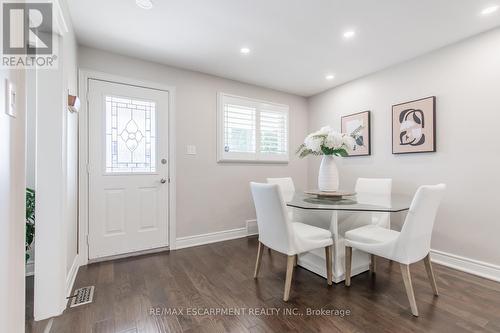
column 84, row 76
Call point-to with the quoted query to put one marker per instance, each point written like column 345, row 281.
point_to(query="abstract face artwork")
column 413, row 126
column 358, row 126
column 411, row 121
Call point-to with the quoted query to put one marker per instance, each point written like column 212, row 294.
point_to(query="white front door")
column 128, row 169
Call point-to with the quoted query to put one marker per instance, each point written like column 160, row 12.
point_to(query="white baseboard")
column 252, row 228
column 213, row 237
column 475, row 267
column 70, row 278
column 30, row 268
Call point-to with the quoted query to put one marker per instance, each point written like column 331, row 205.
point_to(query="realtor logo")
column 27, row 37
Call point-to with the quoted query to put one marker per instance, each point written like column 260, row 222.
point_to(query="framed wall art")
column 358, row 126
column 414, row 126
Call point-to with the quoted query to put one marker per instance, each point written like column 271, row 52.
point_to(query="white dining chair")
column 410, row 245
column 375, row 191
column 287, row 189
column 374, row 186
column 286, row 186
column 278, row 232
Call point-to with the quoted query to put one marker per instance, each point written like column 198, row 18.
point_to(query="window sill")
column 235, row 161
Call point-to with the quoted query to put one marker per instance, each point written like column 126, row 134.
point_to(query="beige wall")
column 465, row 78
column 210, row 196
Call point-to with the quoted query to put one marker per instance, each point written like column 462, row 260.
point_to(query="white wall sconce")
column 73, row 104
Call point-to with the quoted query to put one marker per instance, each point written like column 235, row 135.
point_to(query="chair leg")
column 296, row 260
column 259, row 259
column 348, row 259
column 405, row 271
column 430, row 274
column 288, row 280
column 328, row 257
column 373, row 263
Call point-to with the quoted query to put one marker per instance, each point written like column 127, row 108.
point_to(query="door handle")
column 163, row 180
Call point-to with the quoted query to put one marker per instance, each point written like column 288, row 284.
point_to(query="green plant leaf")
column 341, row 152
column 327, row 151
column 30, row 219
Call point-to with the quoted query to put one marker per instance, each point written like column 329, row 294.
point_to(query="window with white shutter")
column 251, row 130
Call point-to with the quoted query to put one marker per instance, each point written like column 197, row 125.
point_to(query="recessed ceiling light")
column 489, row 10
column 245, row 50
column 349, row 34
column 330, row 77
column 144, row 4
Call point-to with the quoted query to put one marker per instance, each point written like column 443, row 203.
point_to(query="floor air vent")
column 82, row 296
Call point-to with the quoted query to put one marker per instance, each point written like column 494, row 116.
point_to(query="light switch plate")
column 191, row 150
column 10, row 98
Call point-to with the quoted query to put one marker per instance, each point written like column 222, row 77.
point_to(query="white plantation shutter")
column 273, row 131
column 239, row 128
column 251, row 130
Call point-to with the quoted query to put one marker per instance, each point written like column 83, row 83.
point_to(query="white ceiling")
column 294, row 43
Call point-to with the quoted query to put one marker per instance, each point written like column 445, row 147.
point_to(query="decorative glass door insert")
column 130, row 135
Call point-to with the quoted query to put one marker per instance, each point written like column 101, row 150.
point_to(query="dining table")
column 339, row 215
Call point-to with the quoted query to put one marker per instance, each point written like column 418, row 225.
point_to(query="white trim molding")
column 467, row 265
column 252, row 228
column 471, row 266
column 258, row 156
column 213, row 237
column 71, row 276
column 60, row 26
column 84, row 75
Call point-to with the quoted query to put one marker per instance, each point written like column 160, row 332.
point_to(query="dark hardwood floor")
column 219, row 276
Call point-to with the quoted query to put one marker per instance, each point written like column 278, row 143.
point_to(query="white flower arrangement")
column 326, row 141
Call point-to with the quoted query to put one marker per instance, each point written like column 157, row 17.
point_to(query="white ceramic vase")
column 328, row 177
